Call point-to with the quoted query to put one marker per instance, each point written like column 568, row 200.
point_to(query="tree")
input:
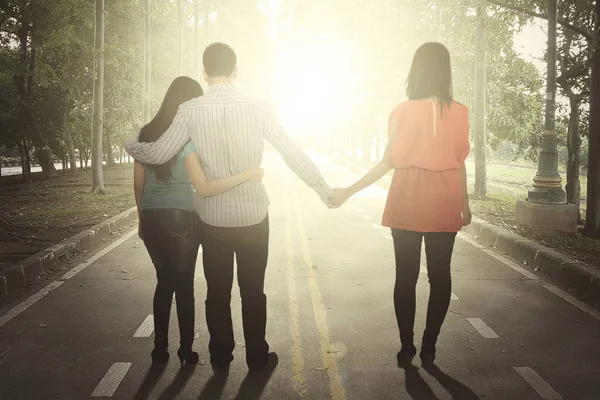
column 480, row 138
column 97, row 173
column 18, row 25
column 592, row 220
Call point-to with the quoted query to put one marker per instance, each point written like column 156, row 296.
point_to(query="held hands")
column 337, row 197
column 254, row 173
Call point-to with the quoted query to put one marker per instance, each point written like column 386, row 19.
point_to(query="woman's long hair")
column 431, row 74
column 182, row 89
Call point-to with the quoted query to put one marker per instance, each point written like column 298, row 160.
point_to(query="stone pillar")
column 546, row 208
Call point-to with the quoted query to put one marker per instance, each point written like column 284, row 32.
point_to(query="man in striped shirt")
column 229, row 130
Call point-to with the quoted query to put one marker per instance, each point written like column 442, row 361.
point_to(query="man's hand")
column 338, row 197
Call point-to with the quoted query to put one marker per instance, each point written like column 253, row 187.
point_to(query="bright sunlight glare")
column 315, row 85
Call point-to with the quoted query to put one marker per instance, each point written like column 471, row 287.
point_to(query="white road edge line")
column 482, row 328
column 548, row 286
column 572, row 300
column 504, row 260
column 109, row 384
column 25, row 304
column 537, row 383
column 146, row 328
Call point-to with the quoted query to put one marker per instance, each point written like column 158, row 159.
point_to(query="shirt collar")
column 221, row 87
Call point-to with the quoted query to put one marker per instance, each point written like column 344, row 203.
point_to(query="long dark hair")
column 431, row 74
column 181, row 90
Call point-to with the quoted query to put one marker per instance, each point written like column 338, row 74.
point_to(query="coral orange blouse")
column 429, row 146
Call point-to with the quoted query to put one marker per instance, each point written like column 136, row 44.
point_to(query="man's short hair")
column 219, row 59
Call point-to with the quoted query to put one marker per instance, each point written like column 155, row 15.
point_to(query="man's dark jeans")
column 250, row 245
column 172, row 239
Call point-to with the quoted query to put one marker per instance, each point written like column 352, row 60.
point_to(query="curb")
column 20, row 275
column 567, row 272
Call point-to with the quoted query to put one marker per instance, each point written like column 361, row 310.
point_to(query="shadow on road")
column 152, row 377
column 416, row 387
column 454, row 387
column 213, row 388
column 181, row 379
column 253, row 385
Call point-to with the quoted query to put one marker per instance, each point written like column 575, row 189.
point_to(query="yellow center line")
column 329, row 362
column 298, row 379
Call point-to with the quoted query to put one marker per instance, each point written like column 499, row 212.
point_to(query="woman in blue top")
column 169, row 224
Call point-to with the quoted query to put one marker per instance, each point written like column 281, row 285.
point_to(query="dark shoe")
column 269, row 364
column 159, row 356
column 187, row 357
column 406, row 354
column 221, row 369
column 427, row 353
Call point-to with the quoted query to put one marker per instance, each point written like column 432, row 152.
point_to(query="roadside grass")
column 44, row 212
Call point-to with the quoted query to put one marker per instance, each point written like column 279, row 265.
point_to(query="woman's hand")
column 254, row 173
column 339, row 196
column 466, row 215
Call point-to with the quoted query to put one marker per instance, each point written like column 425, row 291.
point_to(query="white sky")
column 531, row 44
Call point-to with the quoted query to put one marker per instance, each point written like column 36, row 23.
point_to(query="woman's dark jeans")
column 172, row 239
column 407, row 249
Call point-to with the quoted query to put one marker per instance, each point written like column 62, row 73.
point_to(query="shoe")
column 187, row 357
column 221, row 368
column 427, row 353
column 159, row 356
column 269, row 364
column 406, row 354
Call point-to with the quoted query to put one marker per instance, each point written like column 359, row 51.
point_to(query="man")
column 228, row 130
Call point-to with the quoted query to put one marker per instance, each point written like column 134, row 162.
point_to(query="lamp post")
column 546, row 208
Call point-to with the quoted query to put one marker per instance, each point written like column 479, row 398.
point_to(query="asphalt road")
column 508, row 334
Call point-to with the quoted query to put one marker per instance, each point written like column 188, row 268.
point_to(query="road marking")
column 298, row 378
column 482, row 328
column 453, row 297
column 538, row 384
column 367, row 217
column 387, row 236
column 551, row 288
column 572, row 300
column 504, row 260
column 109, row 384
column 329, row 362
column 359, row 210
column 146, row 328
column 25, row 304
column 377, row 226
column 422, row 269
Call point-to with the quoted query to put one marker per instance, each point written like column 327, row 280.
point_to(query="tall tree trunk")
column 573, row 186
column 147, row 61
column 110, row 158
column 197, row 40
column 180, row 36
column 97, row 173
column 70, row 144
column 25, row 163
column 480, row 133
column 592, row 213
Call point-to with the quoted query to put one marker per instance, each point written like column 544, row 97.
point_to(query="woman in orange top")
column 427, row 146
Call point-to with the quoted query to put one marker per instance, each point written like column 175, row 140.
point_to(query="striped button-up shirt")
column 229, row 131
